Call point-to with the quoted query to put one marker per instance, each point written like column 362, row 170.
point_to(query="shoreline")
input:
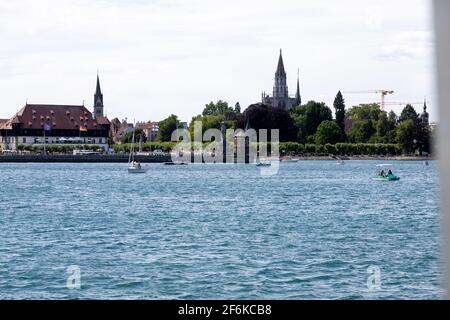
column 364, row 158
column 167, row 158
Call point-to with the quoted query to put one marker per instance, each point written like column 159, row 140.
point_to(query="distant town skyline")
column 157, row 58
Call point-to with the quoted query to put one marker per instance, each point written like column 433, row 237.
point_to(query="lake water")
column 219, row 232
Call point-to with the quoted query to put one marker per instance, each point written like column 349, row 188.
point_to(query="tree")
column 237, row 108
column 365, row 112
column 261, row 116
column 166, row 128
column 408, row 113
column 392, row 124
column 361, row 132
column 308, row 118
column 382, row 126
column 210, row 122
column 423, row 136
column 406, row 134
column 392, row 119
column 328, row 132
column 138, row 133
column 339, row 107
column 220, row 108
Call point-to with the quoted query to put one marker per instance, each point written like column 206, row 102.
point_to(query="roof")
column 102, row 120
column 33, row 116
column 116, row 121
column 147, row 125
column 3, row 122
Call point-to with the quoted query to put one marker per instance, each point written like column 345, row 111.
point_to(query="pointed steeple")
column 98, row 90
column 298, row 97
column 98, row 100
column 280, row 89
column 280, row 68
column 425, row 117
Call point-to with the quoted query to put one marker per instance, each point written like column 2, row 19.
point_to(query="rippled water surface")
column 218, row 231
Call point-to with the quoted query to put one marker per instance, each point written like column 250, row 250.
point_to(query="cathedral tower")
column 98, row 101
column 280, row 89
column 280, row 98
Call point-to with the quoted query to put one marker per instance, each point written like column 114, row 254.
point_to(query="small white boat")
column 137, row 168
column 134, row 166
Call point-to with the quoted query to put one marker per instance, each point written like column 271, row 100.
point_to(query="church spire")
column 298, row 97
column 280, row 68
column 425, row 117
column 98, row 90
column 98, row 100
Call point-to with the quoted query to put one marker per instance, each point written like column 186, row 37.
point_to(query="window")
column 24, row 140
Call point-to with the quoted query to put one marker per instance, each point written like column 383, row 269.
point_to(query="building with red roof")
column 37, row 124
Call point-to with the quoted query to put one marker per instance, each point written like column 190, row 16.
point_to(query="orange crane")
column 383, row 93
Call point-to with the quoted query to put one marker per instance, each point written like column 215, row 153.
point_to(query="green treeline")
column 362, row 129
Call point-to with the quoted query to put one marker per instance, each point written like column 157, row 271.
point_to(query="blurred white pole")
column 442, row 39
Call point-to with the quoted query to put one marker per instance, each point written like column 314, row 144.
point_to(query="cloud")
column 173, row 56
column 407, row 45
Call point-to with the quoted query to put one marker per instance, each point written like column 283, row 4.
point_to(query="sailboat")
column 134, row 166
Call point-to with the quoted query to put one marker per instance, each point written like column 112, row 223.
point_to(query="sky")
column 162, row 57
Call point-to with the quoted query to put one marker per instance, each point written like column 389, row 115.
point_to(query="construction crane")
column 404, row 103
column 383, row 93
column 386, row 104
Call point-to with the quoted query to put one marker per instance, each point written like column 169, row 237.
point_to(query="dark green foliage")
column 353, row 149
column 166, row 128
column 220, row 108
column 328, row 132
column 260, row 116
column 406, row 135
column 237, row 108
column 339, row 107
column 308, row 118
column 138, row 134
column 361, row 132
column 382, row 125
column 147, row 147
column 365, row 112
column 409, row 113
column 210, row 122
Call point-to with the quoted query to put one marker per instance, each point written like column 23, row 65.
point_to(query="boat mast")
column 131, row 158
